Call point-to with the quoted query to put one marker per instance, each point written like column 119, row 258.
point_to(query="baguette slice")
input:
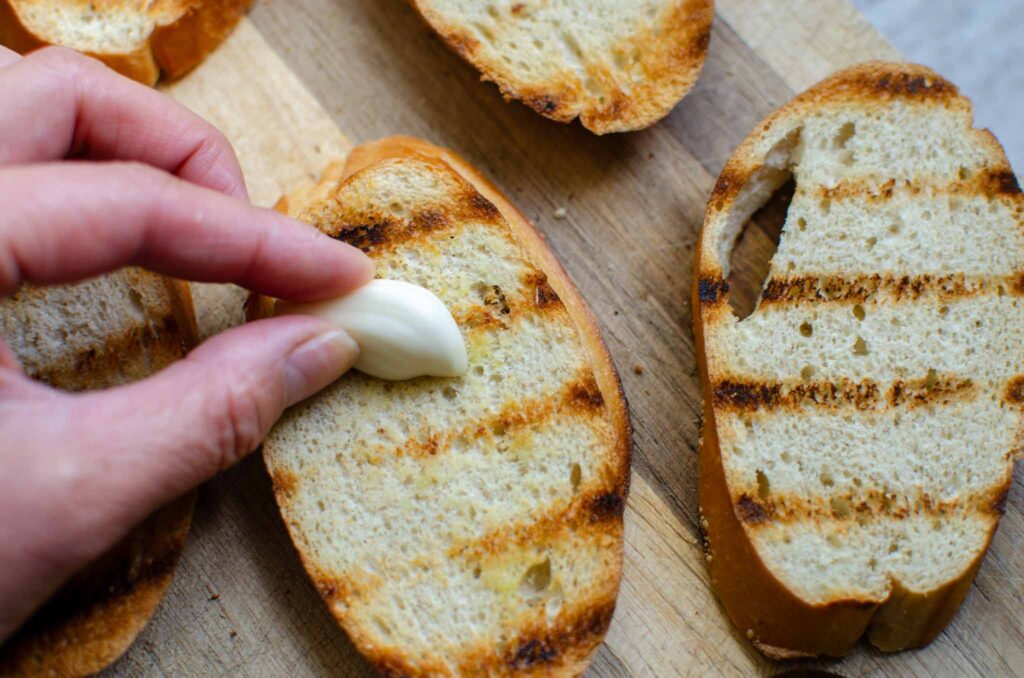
column 95, row 334
column 467, row 526
column 860, row 426
column 137, row 38
column 618, row 65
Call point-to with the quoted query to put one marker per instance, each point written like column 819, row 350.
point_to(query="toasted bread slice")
column 95, row 334
column 138, row 38
column 861, row 425
column 467, row 526
column 618, row 65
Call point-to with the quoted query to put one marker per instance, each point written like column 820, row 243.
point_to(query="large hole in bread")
column 753, row 228
column 752, row 256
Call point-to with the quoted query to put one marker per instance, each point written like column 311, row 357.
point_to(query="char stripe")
column 591, row 511
column 498, row 309
column 874, row 287
column 374, row 230
column 757, row 508
column 866, row 394
column 585, row 625
column 582, row 396
column 989, row 182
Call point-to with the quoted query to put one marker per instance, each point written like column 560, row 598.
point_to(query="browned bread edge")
column 763, row 609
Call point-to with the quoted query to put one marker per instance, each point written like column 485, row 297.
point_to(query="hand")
column 154, row 186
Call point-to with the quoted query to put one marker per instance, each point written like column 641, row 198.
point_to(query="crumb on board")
column 214, row 596
column 638, row 368
column 233, row 633
column 561, row 213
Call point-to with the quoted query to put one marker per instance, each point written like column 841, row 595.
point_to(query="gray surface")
column 978, row 44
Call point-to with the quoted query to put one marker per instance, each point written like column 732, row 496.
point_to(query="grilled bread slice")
column 861, row 425
column 138, row 38
column 618, row 65
column 467, row 526
column 95, row 334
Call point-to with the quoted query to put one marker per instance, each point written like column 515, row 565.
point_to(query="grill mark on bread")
column 375, row 230
column 988, row 182
column 593, row 512
column 158, row 340
column 866, row 394
column 750, row 511
column 544, row 295
column 888, row 287
column 860, row 505
column 1014, row 393
column 582, row 626
column 386, row 232
column 711, row 290
column 911, row 85
column 498, row 309
column 580, row 397
column 933, row 389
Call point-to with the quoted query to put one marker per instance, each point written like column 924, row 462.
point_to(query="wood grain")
column 300, row 71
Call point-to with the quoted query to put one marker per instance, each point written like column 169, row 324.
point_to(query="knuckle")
column 239, row 422
column 215, row 158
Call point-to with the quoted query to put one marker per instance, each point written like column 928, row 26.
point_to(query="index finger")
column 66, row 221
column 58, row 103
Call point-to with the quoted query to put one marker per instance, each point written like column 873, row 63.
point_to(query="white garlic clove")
column 403, row 330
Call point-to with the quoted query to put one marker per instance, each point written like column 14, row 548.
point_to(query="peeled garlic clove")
column 403, row 330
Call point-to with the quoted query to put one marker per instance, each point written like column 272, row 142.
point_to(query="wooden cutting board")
column 297, row 85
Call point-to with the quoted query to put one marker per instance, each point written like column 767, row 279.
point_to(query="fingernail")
column 316, row 363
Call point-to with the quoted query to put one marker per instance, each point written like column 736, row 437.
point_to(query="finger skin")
column 65, row 221
column 8, row 56
column 81, row 470
column 58, row 103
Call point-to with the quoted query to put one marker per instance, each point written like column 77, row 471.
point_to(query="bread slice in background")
column 138, row 38
column 95, row 334
column 618, row 65
column 463, row 526
column 860, row 425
